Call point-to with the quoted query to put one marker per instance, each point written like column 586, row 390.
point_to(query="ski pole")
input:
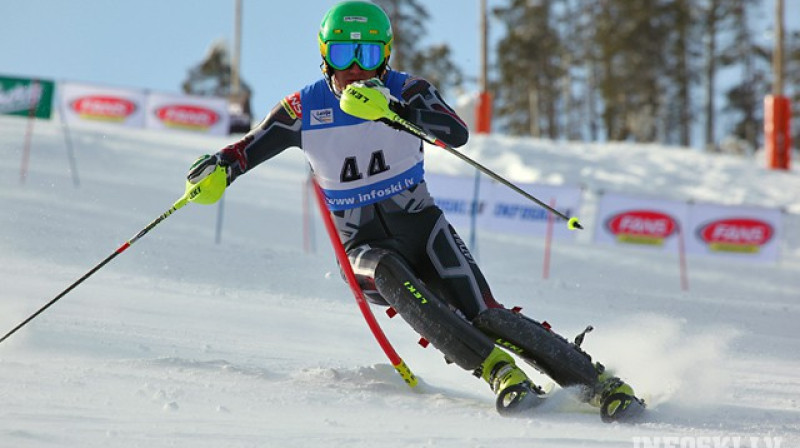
column 347, row 269
column 572, row 223
column 207, row 190
column 357, row 102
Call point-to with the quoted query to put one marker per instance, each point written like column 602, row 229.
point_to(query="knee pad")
column 364, row 259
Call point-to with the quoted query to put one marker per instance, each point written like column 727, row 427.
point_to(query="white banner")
column 454, row 195
column 85, row 102
column 749, row 233
column 188, row 113
column 511, row 212
column 639, row 221
column 501, row 209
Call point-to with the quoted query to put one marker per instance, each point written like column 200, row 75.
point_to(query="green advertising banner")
column 26, row 97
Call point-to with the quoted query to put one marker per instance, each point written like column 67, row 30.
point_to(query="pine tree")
column 793, row 80
column 529, row 69
column 630, row 69
column 434, row 63
column 682, row 53
column 745, row 98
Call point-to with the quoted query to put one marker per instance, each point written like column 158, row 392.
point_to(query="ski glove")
column 377, row 84
column 203, row 167
column 391, row 102
column 398, row 106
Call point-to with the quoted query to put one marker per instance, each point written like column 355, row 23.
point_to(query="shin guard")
column 427, row 314
column 548, row 352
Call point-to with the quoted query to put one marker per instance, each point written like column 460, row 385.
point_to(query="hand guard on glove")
column 388, row 101
column 203, row 167
column 399, row 106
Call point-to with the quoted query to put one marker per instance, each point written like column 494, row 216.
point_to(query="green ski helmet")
column 355, row 32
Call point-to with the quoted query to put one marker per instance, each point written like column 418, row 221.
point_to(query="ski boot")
column 515, row 392
column 615, row 398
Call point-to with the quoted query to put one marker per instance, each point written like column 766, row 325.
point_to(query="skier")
column 403, row 251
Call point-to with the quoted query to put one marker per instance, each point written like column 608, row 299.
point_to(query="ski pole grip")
column 364, row 102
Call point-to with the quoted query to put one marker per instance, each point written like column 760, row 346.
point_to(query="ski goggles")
column 341, row 55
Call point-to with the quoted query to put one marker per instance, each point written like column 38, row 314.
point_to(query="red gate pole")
column 347, row 269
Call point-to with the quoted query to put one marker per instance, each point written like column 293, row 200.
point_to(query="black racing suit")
column 405, row 253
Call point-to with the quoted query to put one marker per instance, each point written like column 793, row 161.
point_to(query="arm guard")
column 278, row 131
column 425, row 107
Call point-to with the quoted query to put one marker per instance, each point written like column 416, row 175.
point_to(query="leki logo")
column 736, row 234
column 642, row 226
column 100, row 107
column 187, row 116
column 417, row 295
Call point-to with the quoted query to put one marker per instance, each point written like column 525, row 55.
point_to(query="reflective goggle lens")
column 368, row 56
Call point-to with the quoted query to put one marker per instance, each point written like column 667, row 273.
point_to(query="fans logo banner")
column 640, row 222
column 740, row 232
column 82, row 103
column 642, row 226
column 206, row 115
column 106, row 108
column 188, row 117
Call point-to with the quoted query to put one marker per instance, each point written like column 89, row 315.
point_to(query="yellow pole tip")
column 406, row 374
column 573, row 224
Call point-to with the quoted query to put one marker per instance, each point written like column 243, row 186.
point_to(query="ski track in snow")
column 183, row 342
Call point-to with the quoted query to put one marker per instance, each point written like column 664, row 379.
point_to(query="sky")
column 152, row 44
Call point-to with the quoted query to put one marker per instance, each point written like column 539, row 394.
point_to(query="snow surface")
column 256, row 343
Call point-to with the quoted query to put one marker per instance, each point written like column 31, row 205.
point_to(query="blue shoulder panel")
column 321, row 107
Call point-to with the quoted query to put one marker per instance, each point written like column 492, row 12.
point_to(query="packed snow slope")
column 256, row 342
